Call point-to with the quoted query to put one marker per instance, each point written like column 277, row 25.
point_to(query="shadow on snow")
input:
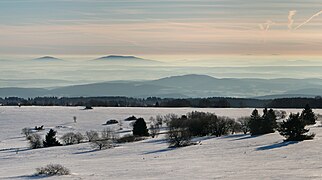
column 277, row 145
column 246, row 137
column 159, row 151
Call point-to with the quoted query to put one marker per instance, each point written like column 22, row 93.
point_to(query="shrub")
column 128, row 138
column 39, row 128
column 131, row 118
column 91, row 135
column 52, row 170
column 35, row 141
column 26, row 131
column 294, row 129
column 112, row 121
column 50, row 139
column 139, row 128
column 72, row 138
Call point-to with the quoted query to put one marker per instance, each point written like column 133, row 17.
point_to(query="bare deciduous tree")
column 35, row 141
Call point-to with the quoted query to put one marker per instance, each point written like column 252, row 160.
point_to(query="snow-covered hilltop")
column 228, row 157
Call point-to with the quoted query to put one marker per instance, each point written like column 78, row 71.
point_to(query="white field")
column 228, row 157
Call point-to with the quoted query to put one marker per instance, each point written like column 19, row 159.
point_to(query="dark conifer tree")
column 255, row 123
column 268, row 123
column 50, row 139
column 139, row 128
column 308, row 115
column 294, row 129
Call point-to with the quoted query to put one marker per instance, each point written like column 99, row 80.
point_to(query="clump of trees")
column 194, row 124
column 178, row 134
column 52, row 170
column 140, row 128
column 72, row 138
column 262, row 124
column 294, row 128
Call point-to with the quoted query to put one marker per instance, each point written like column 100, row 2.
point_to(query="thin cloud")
column 291, row 14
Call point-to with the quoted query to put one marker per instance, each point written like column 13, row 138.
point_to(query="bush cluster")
column 52, row 170
column 72, row 138
column 194, row 124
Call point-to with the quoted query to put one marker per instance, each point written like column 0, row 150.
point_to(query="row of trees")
column 196, row 124
column 105, row 139
column 36, row 141
column 293, row 128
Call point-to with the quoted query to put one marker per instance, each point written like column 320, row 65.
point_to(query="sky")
column 148, row 28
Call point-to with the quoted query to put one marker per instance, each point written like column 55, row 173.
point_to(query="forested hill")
column 214, row 102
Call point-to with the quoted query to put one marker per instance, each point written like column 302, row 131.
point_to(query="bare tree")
column 244, row 123
column 178, row 134
column 105, row 141
column 91, row 135
column 72, row 138
column 154, row 130
column 35, row 141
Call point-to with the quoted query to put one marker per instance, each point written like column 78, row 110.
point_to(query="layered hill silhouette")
column 48, row 59
column 184, row 86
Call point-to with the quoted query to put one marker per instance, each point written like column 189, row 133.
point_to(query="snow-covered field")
column 229, row 157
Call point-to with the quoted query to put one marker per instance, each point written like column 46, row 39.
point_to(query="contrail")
column 290, row 19
column 315, row 15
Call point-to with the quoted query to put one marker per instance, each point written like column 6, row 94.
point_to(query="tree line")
column 212, row 102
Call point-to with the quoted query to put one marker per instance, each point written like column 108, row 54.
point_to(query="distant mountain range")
column 112, row 59
column 191, row 85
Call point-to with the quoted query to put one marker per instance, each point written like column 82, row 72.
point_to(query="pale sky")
column 165, row 28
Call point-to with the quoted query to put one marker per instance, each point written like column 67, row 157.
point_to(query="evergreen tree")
column 50, row 139
column 255, row 123
column 294, row 129
column 268, row 123
column 308, row 115
column 139, row 128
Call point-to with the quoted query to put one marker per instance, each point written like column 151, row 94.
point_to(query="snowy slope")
column 229, row 157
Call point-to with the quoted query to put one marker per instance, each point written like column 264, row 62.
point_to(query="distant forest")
column 213, row 102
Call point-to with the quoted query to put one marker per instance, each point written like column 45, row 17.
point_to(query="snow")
column 228, row 157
